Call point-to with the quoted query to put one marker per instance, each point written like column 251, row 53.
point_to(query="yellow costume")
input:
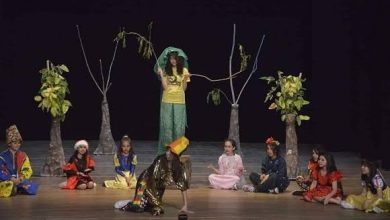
column 125, row 168
column 370, row 198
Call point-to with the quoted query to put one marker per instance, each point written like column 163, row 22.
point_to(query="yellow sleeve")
column 26, row 170
column 116, row 161
column 185, row 72
column 135, row 160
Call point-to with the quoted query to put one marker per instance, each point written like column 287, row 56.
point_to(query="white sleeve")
column 377, row 181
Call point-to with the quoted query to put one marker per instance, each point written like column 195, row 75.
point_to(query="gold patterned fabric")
column 152, row 182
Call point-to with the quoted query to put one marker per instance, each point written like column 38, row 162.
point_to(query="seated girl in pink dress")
column 230, row 168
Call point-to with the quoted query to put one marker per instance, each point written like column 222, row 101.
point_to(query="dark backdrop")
column 340, row 46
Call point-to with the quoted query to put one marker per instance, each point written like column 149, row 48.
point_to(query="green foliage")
column 215, row 95
column 51, row 95
column 145, row 47
column 244, row 58
column 286, row 94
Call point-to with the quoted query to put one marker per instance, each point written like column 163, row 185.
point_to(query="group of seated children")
column 81, row 164
column 322, row 184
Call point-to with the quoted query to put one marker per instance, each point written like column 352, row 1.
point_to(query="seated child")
column 273, row 177
column 375, row 196
column 125, row 161
column 78, row 168
column 230, row 168
column 305, row 182
column 326, row 186
column 15, row 168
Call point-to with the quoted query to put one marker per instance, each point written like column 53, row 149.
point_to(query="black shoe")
column 298, row 193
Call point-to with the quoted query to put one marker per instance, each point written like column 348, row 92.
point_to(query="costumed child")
column 305, row 182
column 375, row 196
column 273, row 177
column 172, row 69
column 79, row 168
column 326, row 186
column 165, row 170
column 125, row 161
column 15, row 167
column 230, row 168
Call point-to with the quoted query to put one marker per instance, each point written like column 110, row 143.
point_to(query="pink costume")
column 229, row 173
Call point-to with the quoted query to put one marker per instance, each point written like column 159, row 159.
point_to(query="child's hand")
column 299, row 178
column 159, row 72
column 210, row 166
column 185, row 210
column 81, row 174
column 87, row 170
column 128, row 180
column 15, row 180
column 186, row 77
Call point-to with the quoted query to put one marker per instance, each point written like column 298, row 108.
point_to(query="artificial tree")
column 106, row 143
column 51, row 97
column 286, row 95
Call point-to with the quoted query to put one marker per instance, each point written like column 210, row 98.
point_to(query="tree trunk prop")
column 106, row 141
column 234, row 128
column 291, row 146
column 55, row 159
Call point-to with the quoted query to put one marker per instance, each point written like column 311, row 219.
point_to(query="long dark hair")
column 317, row 151
column 131, row 151
column 367, row 178
column 179, row 64
column 275, row 149
column 74, row 157
column 330, row 163
column 177, row 169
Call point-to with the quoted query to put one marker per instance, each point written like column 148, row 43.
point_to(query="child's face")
column 14, row 145
column 172, row 60
column 169, row 154
column 314, row 155
column 322, row 161
column 126, row 147
column 270, row 152
column 228, row 147
column 82, row 149
column 365, row 169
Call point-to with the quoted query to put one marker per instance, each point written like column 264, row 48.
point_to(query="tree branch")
column 225, row 96
column 112, row 62
column 86, row 61
column 230, row 64
column 101, row 74
column 254, row 69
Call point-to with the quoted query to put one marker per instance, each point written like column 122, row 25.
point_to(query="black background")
column 340, row 46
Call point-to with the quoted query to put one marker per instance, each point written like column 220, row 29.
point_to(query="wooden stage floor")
column 54, row 203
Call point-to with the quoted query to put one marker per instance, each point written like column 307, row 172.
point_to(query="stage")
column 54, row 203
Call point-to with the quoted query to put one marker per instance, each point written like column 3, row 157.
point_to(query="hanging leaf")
column 64, row 68
column 38, row 98
column 272, row 106
column 244, row 58
column 304, row 117
column 215, row 96
column 298, row 121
